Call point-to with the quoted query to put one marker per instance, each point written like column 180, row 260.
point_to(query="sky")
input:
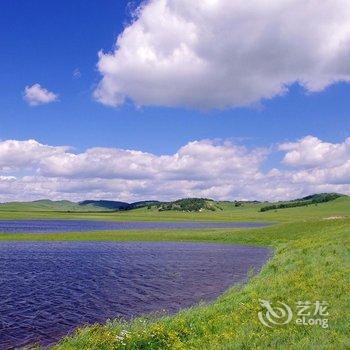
column 165, row 99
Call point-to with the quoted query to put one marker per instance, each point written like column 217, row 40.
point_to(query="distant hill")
column 189, row 204
column 300, row 202
column 68, row 206
column 107, row 205
column 142, row 204
column 114, row 205
column 321, row 197
column 48, row 205
column 184, row 204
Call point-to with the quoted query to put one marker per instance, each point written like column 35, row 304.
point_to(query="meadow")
column 311, row 262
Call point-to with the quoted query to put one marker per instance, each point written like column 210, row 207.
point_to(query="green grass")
column 247, row 212
column 311, row 262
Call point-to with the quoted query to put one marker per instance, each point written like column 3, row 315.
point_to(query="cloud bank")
column 205, row 168
column 36, row 95
column 221, row 53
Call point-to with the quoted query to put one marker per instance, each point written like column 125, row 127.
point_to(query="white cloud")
column 198, row 161
column 76, row 73
column 36, row 95
column 224, row 53
column 16, row 154
column 205, row 168
column 320, row 162
column 312, row 152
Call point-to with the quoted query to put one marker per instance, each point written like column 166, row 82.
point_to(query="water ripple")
column 48, row 289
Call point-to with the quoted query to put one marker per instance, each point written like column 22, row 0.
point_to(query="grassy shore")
column 311, row 262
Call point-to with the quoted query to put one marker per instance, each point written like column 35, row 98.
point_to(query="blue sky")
column 44, row 42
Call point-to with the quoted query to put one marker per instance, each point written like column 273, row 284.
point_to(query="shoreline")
column 310, row 261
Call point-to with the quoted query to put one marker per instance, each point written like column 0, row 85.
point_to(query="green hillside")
column 310, row 262
column 305, row 201
column 48, row 205
column 67, row 206
column 186, row 209
column 103, row 204
column 189, row 204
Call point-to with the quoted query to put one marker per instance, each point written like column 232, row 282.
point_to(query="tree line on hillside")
column 188, row 204
column 309, row 200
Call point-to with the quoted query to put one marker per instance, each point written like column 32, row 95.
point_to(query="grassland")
column 311, row 262
column 247, row 212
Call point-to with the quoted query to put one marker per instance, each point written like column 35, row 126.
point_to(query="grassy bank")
column 311, row 263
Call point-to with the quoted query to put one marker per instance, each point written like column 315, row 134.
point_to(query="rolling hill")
column 180, row 205
column 305, row 201
column 68, row 206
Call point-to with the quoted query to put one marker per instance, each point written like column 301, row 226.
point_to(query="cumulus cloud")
column 197, row 161
column 204, row 168
column 16, row 154
column 320, row 162
column 311, row 152
column 36, row 95
column 222, row 53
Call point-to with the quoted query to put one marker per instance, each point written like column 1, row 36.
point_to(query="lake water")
column 48, row 289
column 51, row 226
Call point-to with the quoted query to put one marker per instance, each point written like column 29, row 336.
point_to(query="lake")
column 51, row 226
column 48, row 289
